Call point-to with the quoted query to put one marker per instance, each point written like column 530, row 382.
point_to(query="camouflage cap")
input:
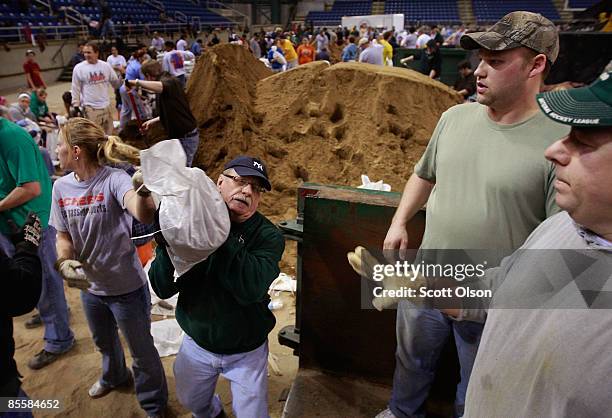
column 517, row 29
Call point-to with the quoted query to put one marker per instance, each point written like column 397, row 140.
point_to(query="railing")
column 45, row 4
column 180, row 17
column 231, row 13
column 16, row 33
column 77, row 17
column 59, row 52
column 156, row 4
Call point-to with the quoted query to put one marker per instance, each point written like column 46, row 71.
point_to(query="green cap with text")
column 585, row 106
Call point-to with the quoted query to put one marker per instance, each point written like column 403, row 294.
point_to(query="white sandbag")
column 167, row 336
column 366, row 183
column 193, row 217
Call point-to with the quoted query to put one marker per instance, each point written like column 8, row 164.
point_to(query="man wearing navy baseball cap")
column 223, row 302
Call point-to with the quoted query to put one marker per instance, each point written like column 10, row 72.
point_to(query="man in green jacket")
column 223, row 302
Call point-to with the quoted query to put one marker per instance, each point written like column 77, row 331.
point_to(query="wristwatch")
column 137, row 83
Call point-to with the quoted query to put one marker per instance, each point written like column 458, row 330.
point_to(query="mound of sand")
column 317, row 123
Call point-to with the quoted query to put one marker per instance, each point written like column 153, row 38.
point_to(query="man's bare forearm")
column 154, row 86
column 20, row 195
column 64, row 246
column 415, row 195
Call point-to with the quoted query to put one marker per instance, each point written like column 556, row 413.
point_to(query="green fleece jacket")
column 223, row 301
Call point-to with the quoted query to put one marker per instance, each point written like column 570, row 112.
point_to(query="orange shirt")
column 306, row 54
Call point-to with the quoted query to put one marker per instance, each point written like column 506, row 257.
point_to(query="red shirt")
column 306, row 53
column 33, row 69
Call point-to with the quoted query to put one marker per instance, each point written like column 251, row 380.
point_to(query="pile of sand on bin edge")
column 221, row 91
column 326, row 124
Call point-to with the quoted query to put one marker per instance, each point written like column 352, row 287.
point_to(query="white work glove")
column 138, row 184
column 363, row 263
column 72, row 272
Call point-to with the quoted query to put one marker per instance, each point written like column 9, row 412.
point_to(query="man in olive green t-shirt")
column 487, row 186
column 25, row 187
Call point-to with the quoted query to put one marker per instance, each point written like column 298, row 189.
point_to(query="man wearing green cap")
column 486, row 185
column 552, row 358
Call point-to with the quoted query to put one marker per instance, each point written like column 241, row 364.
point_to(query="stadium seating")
column 339, row 9
column 581, row 4
column 424, row 10
column 123, row 12
column 492, row 10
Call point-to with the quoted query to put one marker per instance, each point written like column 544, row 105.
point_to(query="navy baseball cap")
column 249, row 166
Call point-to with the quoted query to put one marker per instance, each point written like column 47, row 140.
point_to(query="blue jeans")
column 127, row 109
column 421, row 335
column 108, row 28
column 183, row 79
column 52, row 304
column 196, row 371
column 131, row 313
column 190, row 143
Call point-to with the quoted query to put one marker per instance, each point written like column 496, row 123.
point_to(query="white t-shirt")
column 422, row 40
column 410, row 41
column 91, row 82
column 116, row 62
column 181, row 45
column 174, row 62
column 158, row 43
column 322, row 42
column 372, row 54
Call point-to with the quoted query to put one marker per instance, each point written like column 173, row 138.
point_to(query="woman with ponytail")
column 92, row 209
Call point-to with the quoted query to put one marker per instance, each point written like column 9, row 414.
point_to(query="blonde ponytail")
column 96, row 145
column 117, row 151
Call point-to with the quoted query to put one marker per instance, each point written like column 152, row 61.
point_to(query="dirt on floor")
column 69, row 378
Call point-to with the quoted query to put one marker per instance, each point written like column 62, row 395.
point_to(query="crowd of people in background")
column 283, row 50
column 279, row 49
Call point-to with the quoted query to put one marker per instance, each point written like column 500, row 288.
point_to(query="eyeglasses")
column 242, row 182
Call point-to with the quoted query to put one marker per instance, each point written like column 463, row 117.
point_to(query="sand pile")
column 317, row 123
column 221, row 91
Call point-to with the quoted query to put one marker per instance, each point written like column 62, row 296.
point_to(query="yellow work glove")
column 138, row 184
column 72, row 272
column 364, row 264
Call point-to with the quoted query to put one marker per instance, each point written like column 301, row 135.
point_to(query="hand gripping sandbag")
column 192, row 215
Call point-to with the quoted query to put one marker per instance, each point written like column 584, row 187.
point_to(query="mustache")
column 242, row 198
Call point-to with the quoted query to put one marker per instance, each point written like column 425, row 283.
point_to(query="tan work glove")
column 363, row 263
column 72, row 272
column 138, row 184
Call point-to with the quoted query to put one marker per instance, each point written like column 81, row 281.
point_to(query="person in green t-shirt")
column 487, row 186
column 38, row 106
column 25, row 187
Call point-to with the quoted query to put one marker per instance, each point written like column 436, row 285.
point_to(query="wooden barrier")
column 346, row 352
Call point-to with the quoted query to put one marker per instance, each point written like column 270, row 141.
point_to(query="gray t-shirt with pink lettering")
column 93, row 213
